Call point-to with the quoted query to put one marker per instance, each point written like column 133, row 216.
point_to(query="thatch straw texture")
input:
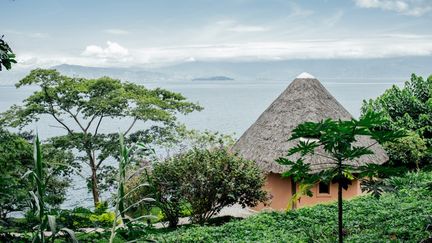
column 305, row 99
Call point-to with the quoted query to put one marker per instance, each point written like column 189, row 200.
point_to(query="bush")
column 84, row 218
column 209, row 180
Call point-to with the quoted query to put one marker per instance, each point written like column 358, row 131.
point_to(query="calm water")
column 229, row 107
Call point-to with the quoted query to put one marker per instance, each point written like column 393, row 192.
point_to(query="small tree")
column 163, row 177
column 209, row 180
column 337, row 139
column 81, row 107
column 38, row 176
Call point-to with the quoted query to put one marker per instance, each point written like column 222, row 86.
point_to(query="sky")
column 162, row 32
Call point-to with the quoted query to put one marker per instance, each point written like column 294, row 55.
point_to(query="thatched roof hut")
column 305, row 99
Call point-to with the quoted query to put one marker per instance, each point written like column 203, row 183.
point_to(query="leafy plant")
column 86, row 104
column 121, row 196
column 38, row 175
column 336, row 139
column 7, row 57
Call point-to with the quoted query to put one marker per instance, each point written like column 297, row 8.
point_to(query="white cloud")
column 113, row 50
column 406, row 7
column 386, row 45
column 247, row 28
column 116, row 31
column 38, row 35
column 234, row 26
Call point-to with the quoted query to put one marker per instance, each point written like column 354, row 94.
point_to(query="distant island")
column 213, row 78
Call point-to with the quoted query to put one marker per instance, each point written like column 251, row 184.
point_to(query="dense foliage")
column 81, row 108
column 336, row 141
column 410, row 108
column 17, row 158
column 401, row 216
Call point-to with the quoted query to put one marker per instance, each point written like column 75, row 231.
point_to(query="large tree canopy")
column 409, row 108
column 83, row 106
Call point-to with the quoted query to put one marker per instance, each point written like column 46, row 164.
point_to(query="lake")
column 229, row 107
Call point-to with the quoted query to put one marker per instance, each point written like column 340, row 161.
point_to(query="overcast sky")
column 144, row 32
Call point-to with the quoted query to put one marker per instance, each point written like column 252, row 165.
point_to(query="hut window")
column 323, row 188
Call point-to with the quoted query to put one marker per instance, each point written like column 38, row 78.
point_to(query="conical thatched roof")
column 305, row 99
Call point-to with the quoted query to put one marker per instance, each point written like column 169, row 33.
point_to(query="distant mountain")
column 213, row 78
column 388, row 69
column 345, row 70
column 127, row 74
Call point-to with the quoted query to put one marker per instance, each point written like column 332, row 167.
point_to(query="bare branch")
column 90, row 122
column 76, row 120
column 53, row 112
column 130, row 127
column 97, row 126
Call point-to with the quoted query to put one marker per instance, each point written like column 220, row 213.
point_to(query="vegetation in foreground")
column 400, row 216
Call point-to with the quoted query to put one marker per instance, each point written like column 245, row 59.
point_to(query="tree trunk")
column 94, row 181
column 340, row 209
column 94, row 185
column 340, row 222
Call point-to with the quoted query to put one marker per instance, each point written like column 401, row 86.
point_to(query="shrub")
column 209, row 180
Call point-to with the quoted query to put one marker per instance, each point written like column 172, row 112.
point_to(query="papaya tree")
column 337, row 139
column 85, row 108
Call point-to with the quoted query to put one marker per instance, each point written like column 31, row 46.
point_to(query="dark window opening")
column 323, row 188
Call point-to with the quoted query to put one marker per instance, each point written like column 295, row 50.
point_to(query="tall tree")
column 337, row 139
column 81, row 107
column 7, row 57
column 409, row 108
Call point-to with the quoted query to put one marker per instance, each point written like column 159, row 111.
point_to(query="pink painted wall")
column 280, row 189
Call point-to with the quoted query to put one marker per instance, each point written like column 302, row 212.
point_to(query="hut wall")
column 281, row 191
column 353, row 190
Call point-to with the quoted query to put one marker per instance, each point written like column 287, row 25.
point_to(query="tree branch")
column 76, row 120
column 130, row 127
column 97, row 126
column 100, row 162
column 90, row 122
column 53, row 111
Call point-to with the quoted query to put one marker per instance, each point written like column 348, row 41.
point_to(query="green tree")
column 409, row 108
column 16, row 157
column 206, row 180
column 407, row 152
column 83, row 106
column 337, row 139
column 7, row 57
